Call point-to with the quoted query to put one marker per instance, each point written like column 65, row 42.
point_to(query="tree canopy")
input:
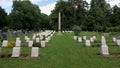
column 96, row 16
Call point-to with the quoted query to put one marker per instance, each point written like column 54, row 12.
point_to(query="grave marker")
column 18, row 43
column 30, row 43
column 4, row 43
column 79, row 39
column 16, row 52
column 35, row 52
column 118, row 42
column 87, row 43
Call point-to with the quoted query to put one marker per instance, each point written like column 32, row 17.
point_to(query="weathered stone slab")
column 16, row 52
column 4, row 43
column 104, row 50
column 35, row 52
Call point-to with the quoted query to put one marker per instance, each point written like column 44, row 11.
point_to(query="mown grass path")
column 64, row 52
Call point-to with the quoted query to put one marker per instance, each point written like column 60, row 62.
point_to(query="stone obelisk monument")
column 59, row 24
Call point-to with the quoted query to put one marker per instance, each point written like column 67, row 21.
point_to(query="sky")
column 46, row 5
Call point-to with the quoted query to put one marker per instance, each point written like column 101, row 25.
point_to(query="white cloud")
column 114, row 2
column 48, row 8
column 36, row 1
column 111, row 2
column 6, row 3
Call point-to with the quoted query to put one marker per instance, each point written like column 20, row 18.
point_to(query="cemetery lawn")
column 64, row 52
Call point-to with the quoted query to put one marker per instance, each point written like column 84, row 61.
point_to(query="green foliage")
column 76, row 30
column 69, row 15
column 25, row 15
column 5, row 29
column 11, row 44
column 113, row 29
column 3, row 18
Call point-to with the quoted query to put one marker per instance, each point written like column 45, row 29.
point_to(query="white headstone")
column 42, row 43
column 47, row 39
column 16, row 52
column 87, row 43
column 35, row 52
column 18, row 43
column 104, row 50
column 75, row 37
column 4, row 43
column 27, row 39
column 114, row 39
column 94, row 37
column 84, row 37
column 37, row 40
column 118, row 42
column 30, row 43
column 103, row 41
column 79, row 39
column 17, row 38
column 91, row 39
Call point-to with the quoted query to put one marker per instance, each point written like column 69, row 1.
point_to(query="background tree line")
column 98, row 16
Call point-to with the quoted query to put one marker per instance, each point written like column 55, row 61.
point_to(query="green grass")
column 64, row 52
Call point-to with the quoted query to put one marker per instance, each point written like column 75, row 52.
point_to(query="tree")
column 3, row 18
column 25, row 15
column 98, row 16
column 115, row 18
column 70, row 15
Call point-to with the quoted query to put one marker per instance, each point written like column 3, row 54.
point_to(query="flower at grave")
column 11, row 44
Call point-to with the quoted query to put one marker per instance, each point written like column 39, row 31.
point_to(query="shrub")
column 76, row 30
column 11, row 44
column 97, row 40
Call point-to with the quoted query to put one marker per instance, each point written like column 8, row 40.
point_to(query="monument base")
column 59, row 33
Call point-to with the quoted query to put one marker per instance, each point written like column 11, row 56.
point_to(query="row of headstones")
column 34, row 51
column 16, row 51
column 30, row 42
column 67, row 31
column 87, row 42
